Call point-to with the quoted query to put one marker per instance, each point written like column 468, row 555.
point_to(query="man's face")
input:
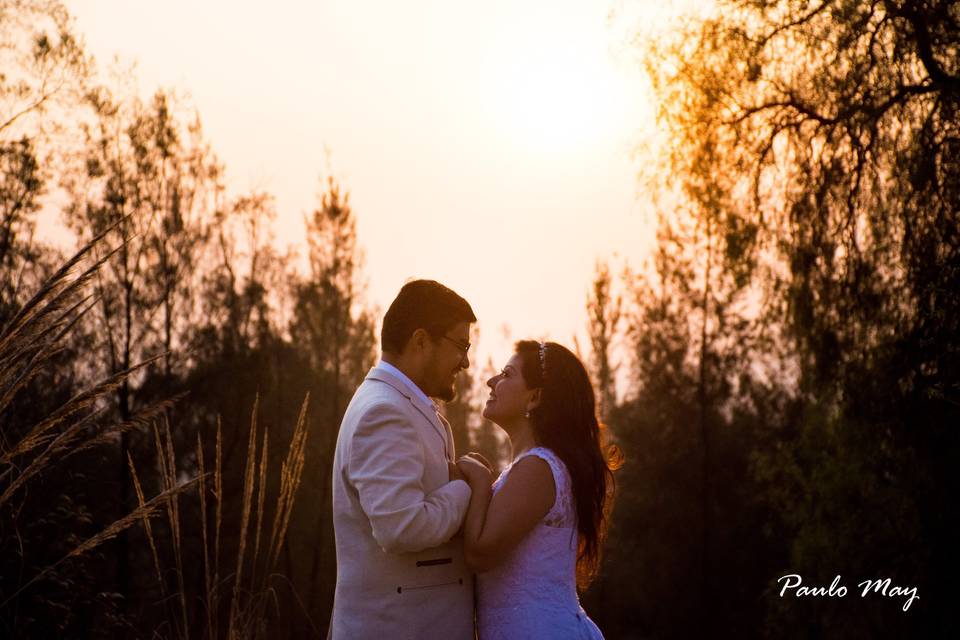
column 447, row 358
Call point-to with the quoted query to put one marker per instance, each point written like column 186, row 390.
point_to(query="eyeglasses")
column 461, row 346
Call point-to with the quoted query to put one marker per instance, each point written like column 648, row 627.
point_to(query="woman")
column 537, row 532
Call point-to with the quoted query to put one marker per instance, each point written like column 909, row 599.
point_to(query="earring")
column 527, row 414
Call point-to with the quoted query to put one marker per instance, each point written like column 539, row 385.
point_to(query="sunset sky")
column 490, row 145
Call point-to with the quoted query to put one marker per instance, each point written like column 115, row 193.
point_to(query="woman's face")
column 510, row 398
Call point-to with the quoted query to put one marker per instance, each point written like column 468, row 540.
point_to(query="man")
column 398, row 498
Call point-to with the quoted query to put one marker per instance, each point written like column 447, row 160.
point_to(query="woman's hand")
column 476, row 472
column 477, row 456
column 522, row 501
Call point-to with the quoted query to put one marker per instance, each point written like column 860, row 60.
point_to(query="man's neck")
column 404, row 368
column 400, row 363
column 392, row 359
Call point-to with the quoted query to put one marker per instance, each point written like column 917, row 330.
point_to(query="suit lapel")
column 449, row 436
column 429, row 411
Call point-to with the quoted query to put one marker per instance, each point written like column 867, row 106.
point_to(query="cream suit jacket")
column 399, row 574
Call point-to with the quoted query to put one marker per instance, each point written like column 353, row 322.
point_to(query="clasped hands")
column 473, row 468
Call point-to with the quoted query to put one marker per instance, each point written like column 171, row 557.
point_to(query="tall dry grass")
column 249, row 583
column 28, row 344
column 29, row 341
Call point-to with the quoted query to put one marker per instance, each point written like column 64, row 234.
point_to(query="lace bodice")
column 533, row 593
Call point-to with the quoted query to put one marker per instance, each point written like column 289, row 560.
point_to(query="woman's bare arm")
column 495, row 525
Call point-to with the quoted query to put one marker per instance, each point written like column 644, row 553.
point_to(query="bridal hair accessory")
column 542, row 352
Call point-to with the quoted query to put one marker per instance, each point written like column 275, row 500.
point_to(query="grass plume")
column 255, row 567
column 28, row 344
column 146, row 510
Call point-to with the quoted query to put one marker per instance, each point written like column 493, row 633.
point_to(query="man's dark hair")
column 422, row 304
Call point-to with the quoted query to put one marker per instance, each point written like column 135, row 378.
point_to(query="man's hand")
column 455, row 473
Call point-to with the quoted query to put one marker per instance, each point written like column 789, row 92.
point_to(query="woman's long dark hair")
column 566, row 422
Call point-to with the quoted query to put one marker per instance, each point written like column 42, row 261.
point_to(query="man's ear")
column 419, row 339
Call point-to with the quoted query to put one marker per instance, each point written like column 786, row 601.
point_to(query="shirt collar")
column 417, row 391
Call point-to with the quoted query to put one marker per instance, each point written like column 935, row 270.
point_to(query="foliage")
column 790, row 353
column 44, row 67
column 604, row 311
column 815, row 144
column 29, row 345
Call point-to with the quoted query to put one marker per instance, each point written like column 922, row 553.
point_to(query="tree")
column 20, row 188
column 683, row 494
column 143, row 179
column 604, row 311
column 828, row 130
column 241, row 364
column 180, row 179
column 819, row 140
column 49, row 416
column 335, row 335
column 45, row 72
column 44, row 66
column 329, row 320
column 240, row 270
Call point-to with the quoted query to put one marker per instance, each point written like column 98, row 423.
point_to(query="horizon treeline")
column 789, row 355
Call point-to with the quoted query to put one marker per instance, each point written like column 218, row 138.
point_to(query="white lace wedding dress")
column 533, row 593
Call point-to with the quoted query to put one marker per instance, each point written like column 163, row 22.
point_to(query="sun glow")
column 554, row 86
column 496, row 121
